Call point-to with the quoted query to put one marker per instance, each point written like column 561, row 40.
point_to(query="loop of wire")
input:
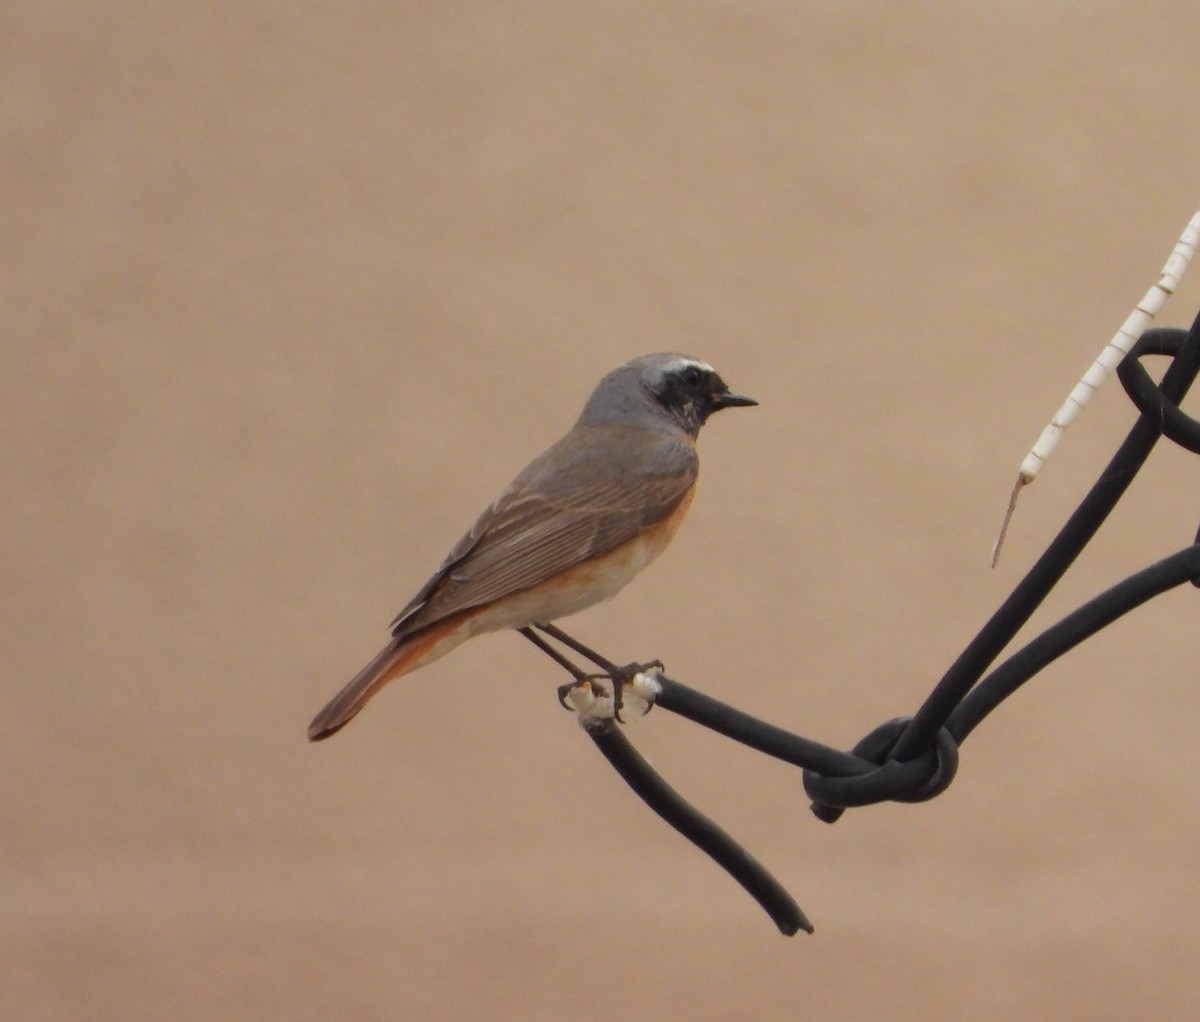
column 912, row 780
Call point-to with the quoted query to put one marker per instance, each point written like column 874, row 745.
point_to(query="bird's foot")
column 585, row 685
column 623, row 676
column 584, row 694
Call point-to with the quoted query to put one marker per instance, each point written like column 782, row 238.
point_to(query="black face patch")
column 688, row 390
column 691, row 393
column 689, row 384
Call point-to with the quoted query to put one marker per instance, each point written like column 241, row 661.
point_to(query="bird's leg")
column 619, row 675
column 579, row 675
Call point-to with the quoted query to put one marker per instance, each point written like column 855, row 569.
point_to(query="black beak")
column 728, row 400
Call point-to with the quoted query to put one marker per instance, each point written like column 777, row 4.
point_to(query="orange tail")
column 397, row 658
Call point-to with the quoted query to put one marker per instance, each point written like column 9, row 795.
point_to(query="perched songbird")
column 571, row 530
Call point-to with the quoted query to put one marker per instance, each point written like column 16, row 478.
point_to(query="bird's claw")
column 589, row 680
column 623, row 677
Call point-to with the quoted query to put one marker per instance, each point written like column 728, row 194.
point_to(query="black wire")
column 1073, row 629
column 832, row 777
column 697, row 827
column 1058, row 557
column 757, row 734
column 1175, row 424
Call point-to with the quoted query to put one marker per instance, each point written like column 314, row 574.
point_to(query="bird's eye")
column 692, row 376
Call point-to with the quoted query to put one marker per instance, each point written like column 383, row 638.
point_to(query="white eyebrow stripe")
column 682, row 363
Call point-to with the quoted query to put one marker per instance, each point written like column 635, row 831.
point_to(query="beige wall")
column 287, row 292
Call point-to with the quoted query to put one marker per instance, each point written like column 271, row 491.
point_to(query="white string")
column 1104, row 366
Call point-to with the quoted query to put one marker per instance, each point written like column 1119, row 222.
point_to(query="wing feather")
column 598, row 487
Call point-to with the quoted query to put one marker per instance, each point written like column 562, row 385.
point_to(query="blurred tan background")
column 289, row 291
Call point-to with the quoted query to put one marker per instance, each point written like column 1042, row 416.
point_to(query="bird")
column 571, row 530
